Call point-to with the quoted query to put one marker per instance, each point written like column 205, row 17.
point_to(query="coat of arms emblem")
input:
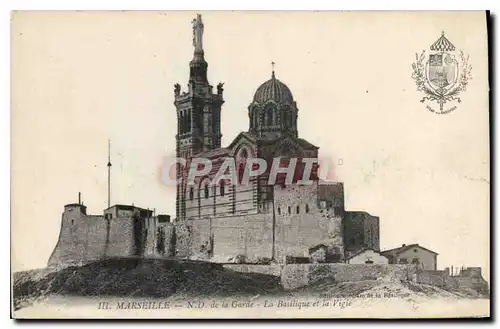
column 441, row 74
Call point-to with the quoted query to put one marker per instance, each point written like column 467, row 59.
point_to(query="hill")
column 163, row 278
column 133, row 277
column 384, row 287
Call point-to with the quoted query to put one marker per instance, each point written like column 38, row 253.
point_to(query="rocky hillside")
column 136, row 278
column 383, row 288
column 139, row 278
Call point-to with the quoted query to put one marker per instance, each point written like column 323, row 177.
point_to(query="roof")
column 397, row 251
column 274, row 90
column 306, row 144
column 241, row 135
column 359, row 252
column 127, row 207
column 75, row 205
column 318, row 246
column 213, row 153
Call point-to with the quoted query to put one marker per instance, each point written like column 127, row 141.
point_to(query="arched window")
column 279, row 211
column 191, row 193
column 289, row 210
column 222, row 189
column 298, row 209
column 185, row 122
column 307, row 208
column 181, row 122
column 269, row 117
column 206, row 191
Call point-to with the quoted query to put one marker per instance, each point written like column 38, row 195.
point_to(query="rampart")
column 299, row 275
column 468, row 278
column 85, row 238
column 290, row 225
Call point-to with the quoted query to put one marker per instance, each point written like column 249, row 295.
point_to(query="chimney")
column 79, row 198
column 404, row 245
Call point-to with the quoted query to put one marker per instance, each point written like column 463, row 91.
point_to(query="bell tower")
column 198, row 113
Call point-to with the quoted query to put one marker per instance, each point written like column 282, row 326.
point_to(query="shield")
column 442, row 71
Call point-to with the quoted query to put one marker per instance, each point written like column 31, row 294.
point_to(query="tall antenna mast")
column 109, row 173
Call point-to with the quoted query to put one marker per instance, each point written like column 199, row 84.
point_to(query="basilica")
column 257, row 220
column 254, row 221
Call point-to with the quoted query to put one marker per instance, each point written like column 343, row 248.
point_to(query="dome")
column 274, row 90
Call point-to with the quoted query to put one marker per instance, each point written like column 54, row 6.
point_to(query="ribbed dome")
column 275, row 90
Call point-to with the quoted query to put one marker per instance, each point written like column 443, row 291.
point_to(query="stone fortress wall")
column 296, row 219
column 85, row 238
column 127, row 231
column 469, row 277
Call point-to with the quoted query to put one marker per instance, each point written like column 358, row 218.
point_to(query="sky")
column 81, row 78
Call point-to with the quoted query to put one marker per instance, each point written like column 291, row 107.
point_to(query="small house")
column 424, row 258
column 318, row 254
column 367, row 256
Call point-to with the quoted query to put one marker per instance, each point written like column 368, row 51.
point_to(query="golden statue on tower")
column 197, row 33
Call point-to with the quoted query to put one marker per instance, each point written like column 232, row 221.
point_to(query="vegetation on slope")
column 129, row 277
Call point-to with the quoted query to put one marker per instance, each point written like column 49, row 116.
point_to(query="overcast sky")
column 81, row 78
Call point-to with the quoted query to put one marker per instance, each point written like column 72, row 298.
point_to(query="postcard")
column 186, row 165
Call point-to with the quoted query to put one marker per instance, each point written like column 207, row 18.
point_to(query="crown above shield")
column 442, row 44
